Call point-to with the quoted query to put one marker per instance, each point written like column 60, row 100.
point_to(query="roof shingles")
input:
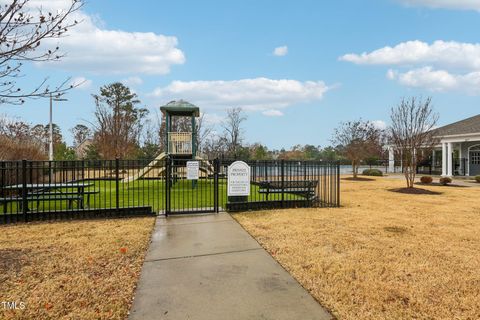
column 466, row 126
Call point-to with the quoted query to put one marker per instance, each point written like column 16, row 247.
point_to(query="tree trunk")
column 354, row 168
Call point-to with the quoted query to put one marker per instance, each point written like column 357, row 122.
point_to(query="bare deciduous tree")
column 215, row 146
column 233, row 130
column 204, row 130
column 357, row 140
column 18, row 141
column 411, row 133
column 24, row 30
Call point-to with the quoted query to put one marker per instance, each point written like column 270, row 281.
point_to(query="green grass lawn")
column 144, row 192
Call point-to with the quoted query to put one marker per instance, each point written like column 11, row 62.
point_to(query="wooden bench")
column 304, row 188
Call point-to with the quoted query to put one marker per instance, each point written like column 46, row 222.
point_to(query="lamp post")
column 50, row 147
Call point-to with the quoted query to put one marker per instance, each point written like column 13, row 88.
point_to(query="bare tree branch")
column 411, row 133
column 23, row 30
column 233, row 129
column 357, row 140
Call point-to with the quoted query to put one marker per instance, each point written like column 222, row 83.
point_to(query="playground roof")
column 180, row 108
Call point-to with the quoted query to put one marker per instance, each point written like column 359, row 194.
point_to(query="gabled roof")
column 180, row 108
column 466, row 126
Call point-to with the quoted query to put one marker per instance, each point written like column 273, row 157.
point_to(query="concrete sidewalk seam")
column 205, row 255
column 187, row 223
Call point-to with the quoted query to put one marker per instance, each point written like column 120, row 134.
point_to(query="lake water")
column 293, row 170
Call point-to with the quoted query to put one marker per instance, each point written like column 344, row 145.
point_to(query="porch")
column 457, row 153
column 447, row 159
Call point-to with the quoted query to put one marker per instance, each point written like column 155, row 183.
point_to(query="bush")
column 477, row 178
column 372, row 172
column 445, row 180
column 426, row 179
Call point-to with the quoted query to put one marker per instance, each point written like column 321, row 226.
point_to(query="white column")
column 450, row 159
column 433, row 158
column 444, row 159
column 460, row 156
column 391, row 160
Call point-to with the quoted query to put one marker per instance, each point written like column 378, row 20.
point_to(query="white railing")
column 180, row 142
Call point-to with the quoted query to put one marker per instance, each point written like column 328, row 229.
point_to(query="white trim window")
column 473, row 156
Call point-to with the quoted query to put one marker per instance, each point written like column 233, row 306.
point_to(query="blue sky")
column 220, row 54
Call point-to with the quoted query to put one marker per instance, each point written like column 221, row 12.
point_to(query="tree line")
column 122, row 128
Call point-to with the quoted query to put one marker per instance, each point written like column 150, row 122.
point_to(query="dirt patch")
column 357, row 179
column 415, row 191
column 12, row 261
column 395, row 229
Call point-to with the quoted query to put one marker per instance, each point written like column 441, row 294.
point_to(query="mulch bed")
column 414, row 191
column 357, row 179
column 440, row 185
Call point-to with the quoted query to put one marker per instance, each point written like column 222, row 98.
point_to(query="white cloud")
column 212, row 118
column 272, row 113
column 440, row 66
column 81, row 83
column 132, row 81
column 379, row 124
column 439, row 80
column 258, row 94
column 442, row 53
column 90, row 47
column 280, row 51
column 446, row 4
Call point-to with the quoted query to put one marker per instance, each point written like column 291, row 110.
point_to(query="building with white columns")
column 458, row 150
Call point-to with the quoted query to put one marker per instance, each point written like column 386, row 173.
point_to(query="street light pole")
column 50, row 146
column 50, row 142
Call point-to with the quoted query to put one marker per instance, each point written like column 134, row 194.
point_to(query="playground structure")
column 180, row 146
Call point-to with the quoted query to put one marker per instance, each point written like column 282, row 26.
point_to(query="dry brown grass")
column 383, row 255
column 72, row 270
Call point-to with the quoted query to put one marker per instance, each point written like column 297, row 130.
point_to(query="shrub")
column 426, row 179
column 477, row 178
column 445, row 180
column 372, row 172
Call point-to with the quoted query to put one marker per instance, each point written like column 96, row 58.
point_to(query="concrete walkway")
column 209, row 267
column 456, row 181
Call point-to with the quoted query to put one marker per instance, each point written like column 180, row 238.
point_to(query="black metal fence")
column 49, row 190
column 285, row 184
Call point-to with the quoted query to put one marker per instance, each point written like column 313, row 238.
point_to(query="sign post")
column 238, row 182
column 193, row 168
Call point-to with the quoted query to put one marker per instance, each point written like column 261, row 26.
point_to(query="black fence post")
column 24, row 190
column 282, row 162
column 2, row 177
column 167, row 186
column 338, row 185
column 117, row 186
column 215, row 184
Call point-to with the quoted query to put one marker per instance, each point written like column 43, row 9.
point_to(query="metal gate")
column 184, row 196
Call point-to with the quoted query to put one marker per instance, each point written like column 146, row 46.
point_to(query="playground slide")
column 151, row 166
column 206, row 167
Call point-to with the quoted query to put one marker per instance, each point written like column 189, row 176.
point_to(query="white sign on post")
column 238, row 179
column 192, row 170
